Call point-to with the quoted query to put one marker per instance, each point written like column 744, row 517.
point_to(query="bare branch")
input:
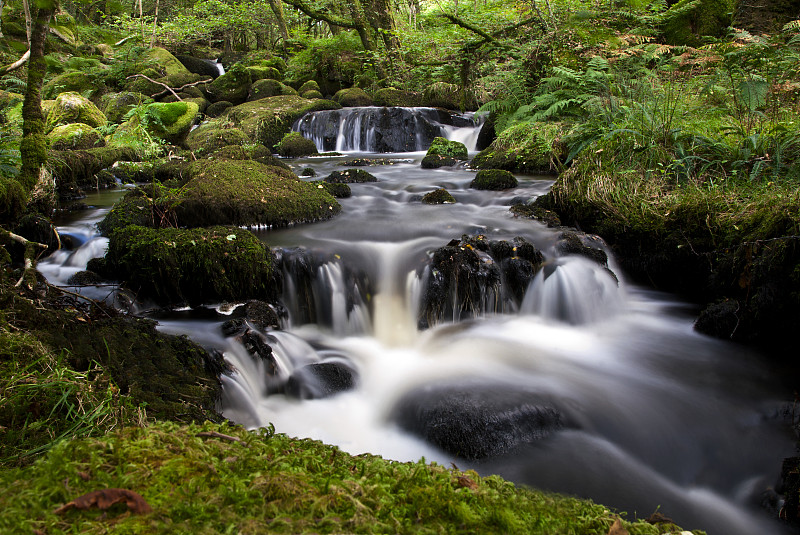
column 17, row 64
column 319, row 15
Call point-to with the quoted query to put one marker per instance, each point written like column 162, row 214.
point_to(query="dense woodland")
column 672, row 129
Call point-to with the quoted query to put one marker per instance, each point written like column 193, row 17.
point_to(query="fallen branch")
column 214, row 434
column 17, row 64
column 181, row 88
column 168, row 88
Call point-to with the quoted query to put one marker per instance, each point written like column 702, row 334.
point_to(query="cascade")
column 393, row 129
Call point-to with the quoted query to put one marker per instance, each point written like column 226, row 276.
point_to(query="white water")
column 658, row 417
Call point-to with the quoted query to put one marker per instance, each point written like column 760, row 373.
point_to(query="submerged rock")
column 476, row 421
column 350, row 176
column 321, row 380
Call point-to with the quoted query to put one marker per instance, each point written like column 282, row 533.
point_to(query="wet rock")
column 486, row 135
column 535, row 211
column 493, row 179
column 321, row 380
column 439, row 196
column 218, row 108
column 339, row 191
column 352, row 97
column 85, row 278
column 720, row 319
column 591, row 246
column 435, row 161
column 294, row 145
column 350, row 176
column 198, row 66
column 476, row 421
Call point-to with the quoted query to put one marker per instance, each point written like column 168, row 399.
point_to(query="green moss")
column 76, row 169
column 243, row 482
column 117, row 105
column 266, row 88
column 350, row 176
column 493, row 179
column 525, row 148
column 439, row 196
column 311, row 94
column 443, row 147
column 449, row 96
column 163, row 60
column 352, row 97
column 336, row 189
column 294, row 145
column 13, row 199
column 194, row 266
column 389, row 96
column 173, row 120
column 74, row 136
column 310, row 85
column 73, row 108
column 709, row 18
column 77, row 82
column 232, row 86
column 261, row 72
column 213, row 135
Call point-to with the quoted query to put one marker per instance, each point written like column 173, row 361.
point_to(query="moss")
column 212, row 135
column 294, row 145
column 350, row 176
column 266, row 88
column 75, row 136
column 76, row 170
column 77, row 82
column 73, row 108
column 434, row 161
column 310, row 85
column 216, row 109
column 13, row 199
column 525, row 148
column 171, row 121
column 352, row 97
column 116, row 105
column 232, row 86
column 262, row 481
column 493, row 179
column 261, row 72
column 449, row 96
column 163, row 61
column 311, row 94
column 246, row 192
column 439, row 196
column 389, row 96
column 709, row 18
column 190, row 266
column 443, row 147
column 336, row 189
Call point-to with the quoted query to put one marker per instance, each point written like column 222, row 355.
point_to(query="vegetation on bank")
column 216, row 478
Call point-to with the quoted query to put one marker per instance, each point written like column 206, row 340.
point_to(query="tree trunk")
column 33, row 148
column 1, row 19
column 28, row 20
column 155, row 27
column 277, row 10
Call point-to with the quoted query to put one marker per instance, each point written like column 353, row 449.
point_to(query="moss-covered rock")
column 163, row 61
column 13, row 199
column 190, row 266
column 449, row 96
column 75, row 170
column 213, row 135
column 269, row 88
column 75, row 136
column 310, row 85
column 493, row 179
column 311, row 94
column 65, row 25
column 215, row 109
column 232, row 86
column 262, row 72
column 435, row 161
column 352, row 97
column 256, row 152
column 78, row 82
column 337, row 189
column 439, row 196
column 389, row 96
column 709, row 18
column 350, row 176
column 267, row 120
column 444, row 147
column 70, row 108
column 116, row 105
column 525, row 148
column 171, row 121
column 294, row 145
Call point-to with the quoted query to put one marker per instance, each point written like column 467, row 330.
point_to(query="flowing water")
column 652, row 416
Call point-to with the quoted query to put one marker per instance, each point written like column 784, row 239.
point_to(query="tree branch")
column 319, row 15
column 168, row 88
column 466, row 25
column 17, row 64
column 181, row 88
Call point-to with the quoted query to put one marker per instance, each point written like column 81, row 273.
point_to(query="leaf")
column 105, row 499
column 753, row 92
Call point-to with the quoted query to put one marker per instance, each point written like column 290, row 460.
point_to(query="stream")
column 649, row 415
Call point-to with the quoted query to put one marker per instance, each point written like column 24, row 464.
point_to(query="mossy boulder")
column 350, row 176
column 389, row 96
column 213, row 135
column 352, row 97
column 267, row 120
column 215, row 109
column 269, row 88
column 443, row 147
column 311, row 94
column 198, row 65
column 70, row 108
column 525, row 148
column 64, row 24
column 448, row 96
column 294, row 145
column 709, row 18
column 439, row 196
column 261, row 72
column 233, row 86
column 75, row 170
column 338, row 190
column 116, row 105
column 190, row 266
column 256, row 152
column 310, row 85
column 78, row 82
column 75, row 136
column 171, row 121
column 435, row 161
column 163, row 61
column 493, row 179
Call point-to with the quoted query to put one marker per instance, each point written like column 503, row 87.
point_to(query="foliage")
column 219, row 478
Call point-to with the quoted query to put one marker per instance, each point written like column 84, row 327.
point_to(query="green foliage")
column 212, row 478
column 340, row 58
column 443, row 147
column 9, row 155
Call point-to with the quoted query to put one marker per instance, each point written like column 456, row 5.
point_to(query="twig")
column 214, row 434
column 181, row 88
column 17, row 64
column 157, row 83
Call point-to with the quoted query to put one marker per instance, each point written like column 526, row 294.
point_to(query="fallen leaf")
column 105, row 498
column 617, row 529
column 465, row 482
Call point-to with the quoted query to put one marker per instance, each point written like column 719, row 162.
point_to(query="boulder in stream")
column 321, row 380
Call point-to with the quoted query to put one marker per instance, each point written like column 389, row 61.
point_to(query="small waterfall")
column 395, row 129
column 574, row 290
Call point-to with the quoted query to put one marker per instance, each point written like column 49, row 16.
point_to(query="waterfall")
column 395, row 129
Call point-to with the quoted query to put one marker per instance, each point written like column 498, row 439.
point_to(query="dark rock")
column 435, row 161
column 720, row 319
column 486, row 135
column 199, row 66
column 493, row 179
column 571, row 242
column 439, row 196
column 218, row 108
column 350, row 176
column 476, row 421
column 321, row 380
column 85, row 278
column 535, row 211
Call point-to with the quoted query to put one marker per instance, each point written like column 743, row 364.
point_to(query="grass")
column 217, row 478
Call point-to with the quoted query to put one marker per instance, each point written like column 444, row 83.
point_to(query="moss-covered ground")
column 216, row 478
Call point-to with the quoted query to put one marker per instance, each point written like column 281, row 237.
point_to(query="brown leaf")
column 464, row 481
column 105, row 498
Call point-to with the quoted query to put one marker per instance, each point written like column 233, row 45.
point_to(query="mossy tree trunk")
column 33, row 148
column 277, row 10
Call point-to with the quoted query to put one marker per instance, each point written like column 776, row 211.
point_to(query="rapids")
column 656, row 417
